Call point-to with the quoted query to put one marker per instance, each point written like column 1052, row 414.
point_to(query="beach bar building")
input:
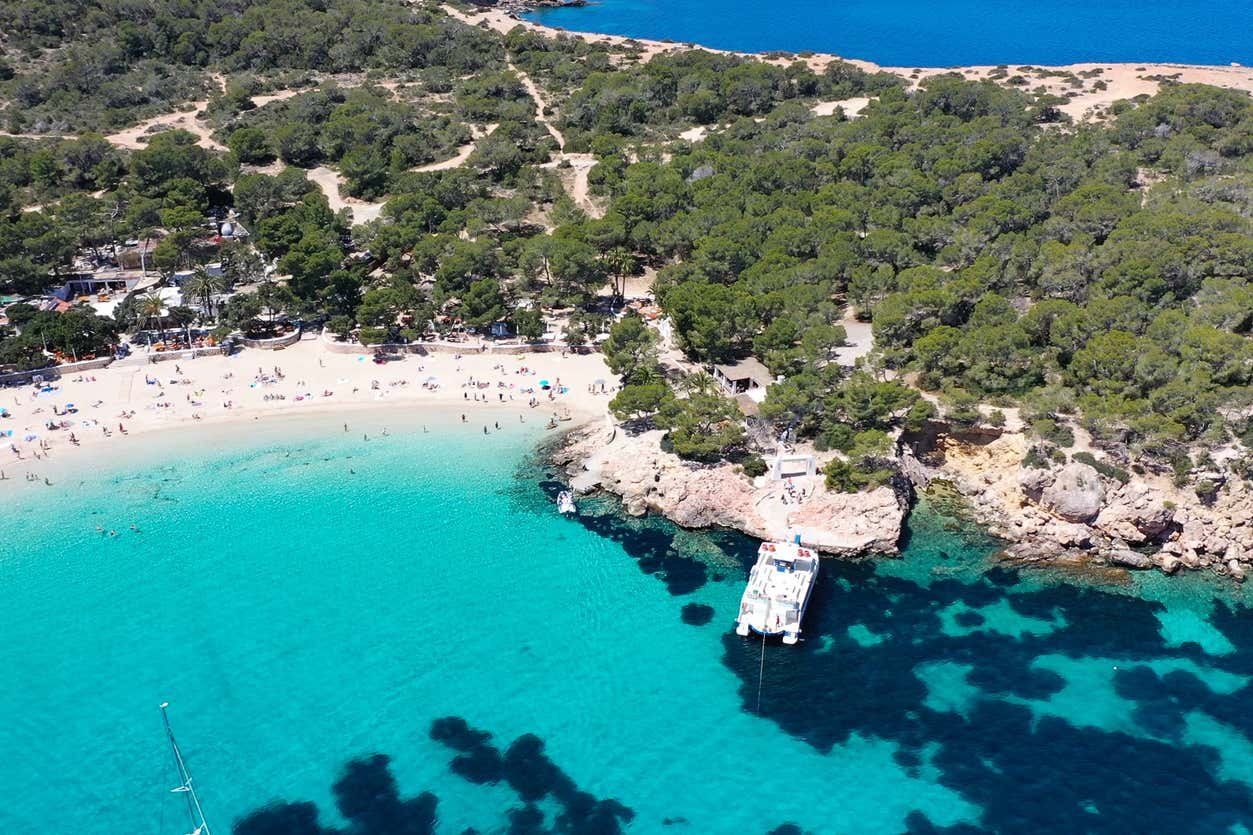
column 743, row 377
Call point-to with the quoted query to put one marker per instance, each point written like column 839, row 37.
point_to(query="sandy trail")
column 540, row 105
column 137, row 136
column 331, row 182
column 314, row 380
column 574, row 178
column 463, row 153
column 852, row 107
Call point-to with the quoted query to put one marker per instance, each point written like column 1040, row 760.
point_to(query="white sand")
column 852, row 107
column 219, row 393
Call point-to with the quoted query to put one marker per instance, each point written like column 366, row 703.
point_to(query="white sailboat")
column 195, row 814
column 565, row 503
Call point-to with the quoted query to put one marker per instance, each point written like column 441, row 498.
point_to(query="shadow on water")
column 1018, row 743
column 1030, row 768
column 368, row 798
column 1067, row 711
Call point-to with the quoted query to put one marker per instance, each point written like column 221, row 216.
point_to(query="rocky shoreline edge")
column 1068, row 514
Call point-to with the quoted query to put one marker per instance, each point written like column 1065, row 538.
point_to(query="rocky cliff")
column 635, row 468
column 1072, row 511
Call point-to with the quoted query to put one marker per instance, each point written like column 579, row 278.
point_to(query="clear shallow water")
column 306, row 600
column 937, row 33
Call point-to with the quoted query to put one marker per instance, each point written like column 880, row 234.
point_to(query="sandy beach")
column 1120, row 80
column 117, row 406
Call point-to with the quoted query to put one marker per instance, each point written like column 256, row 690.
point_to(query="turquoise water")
column 937, row 33
column 401, row 635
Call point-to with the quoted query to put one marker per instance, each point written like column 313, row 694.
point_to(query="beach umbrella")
column 543, row 384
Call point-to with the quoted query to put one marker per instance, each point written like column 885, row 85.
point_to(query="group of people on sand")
column 509, row 382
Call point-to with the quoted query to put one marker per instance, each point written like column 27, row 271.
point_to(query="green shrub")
column 372, row 336
column 754, row 465
column 1103, row 467
column 1037, row 458
column 1054, row 432
column 843, row 477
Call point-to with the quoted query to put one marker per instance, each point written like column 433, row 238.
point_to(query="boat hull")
column 754, row 615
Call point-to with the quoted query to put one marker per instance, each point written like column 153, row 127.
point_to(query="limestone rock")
column 847, row 523
column 1134, row 524
column 1076, row 493
column 635, row 468
column 1168, row 563
column 1032, row 482
column 1130, row 559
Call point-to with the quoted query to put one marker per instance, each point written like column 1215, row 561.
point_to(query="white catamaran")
column 195, row 815
column 778, row 591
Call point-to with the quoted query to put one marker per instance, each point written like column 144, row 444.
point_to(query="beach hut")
column 743, row 376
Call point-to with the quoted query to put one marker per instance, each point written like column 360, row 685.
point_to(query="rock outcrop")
column 1072, row 512
column 1065, row 514
column 646, row 478
column 1075, row 494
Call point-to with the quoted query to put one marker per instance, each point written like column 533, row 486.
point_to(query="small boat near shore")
column 565, row 503
column 778, row 591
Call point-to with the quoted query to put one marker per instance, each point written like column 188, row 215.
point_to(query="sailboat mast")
column 194, row 813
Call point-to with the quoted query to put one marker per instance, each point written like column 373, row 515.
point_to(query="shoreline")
column 215, row 394
column 1122, row 79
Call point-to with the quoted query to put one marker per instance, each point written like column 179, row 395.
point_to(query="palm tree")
column 620, row 264
column 152, row 307
column 203, row 286
column 699, row 382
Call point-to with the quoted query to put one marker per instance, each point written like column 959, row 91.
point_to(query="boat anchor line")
column 761, row 672
column 195, row 814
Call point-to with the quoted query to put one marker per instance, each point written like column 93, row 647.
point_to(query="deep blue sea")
column 938, row 33
column 400, row 635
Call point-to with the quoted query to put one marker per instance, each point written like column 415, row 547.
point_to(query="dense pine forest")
column 1095, row 274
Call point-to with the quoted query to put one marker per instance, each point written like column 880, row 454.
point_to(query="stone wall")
column 272, row 344
column 54, row 372
column 188, row 354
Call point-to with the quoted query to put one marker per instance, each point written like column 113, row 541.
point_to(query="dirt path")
column 330, row 182
column 573, row 178
column 540, row 106
column 464, row 153
column 581, row 164
column 137, row 136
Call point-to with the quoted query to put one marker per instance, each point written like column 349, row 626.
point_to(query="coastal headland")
column 1099, row 84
